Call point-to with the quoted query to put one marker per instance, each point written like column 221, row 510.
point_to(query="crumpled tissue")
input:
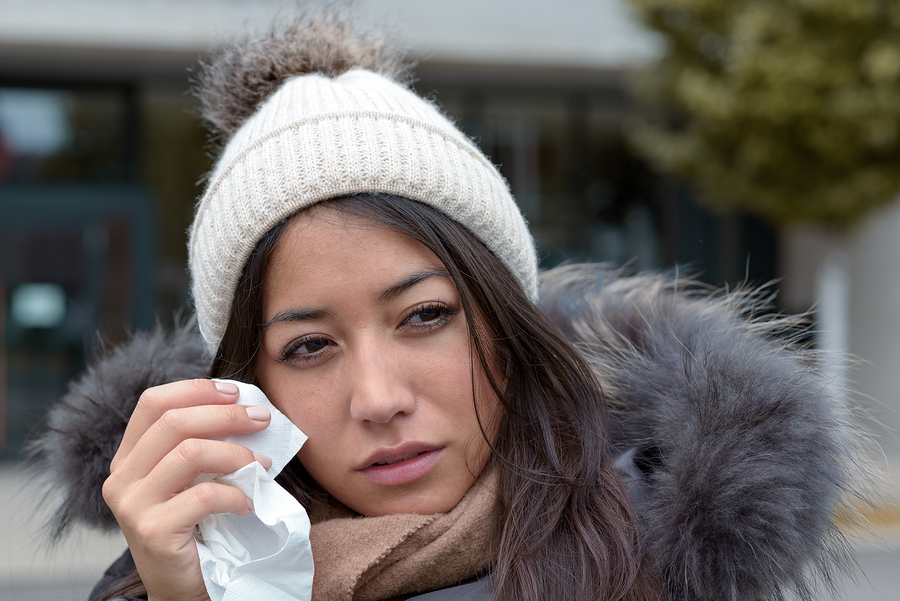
column 264, row 555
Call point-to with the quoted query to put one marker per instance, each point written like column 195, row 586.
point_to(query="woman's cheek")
column 311, row 403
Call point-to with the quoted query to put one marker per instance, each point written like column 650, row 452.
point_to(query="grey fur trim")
column 245, row 73
column 85, row 428
column 747, row 455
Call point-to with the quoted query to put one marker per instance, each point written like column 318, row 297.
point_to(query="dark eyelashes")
column 433, row 315
column 445, row 313
column 288, row 354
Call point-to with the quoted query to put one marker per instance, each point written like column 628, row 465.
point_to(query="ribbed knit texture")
column 317, row 138
column 399, row 555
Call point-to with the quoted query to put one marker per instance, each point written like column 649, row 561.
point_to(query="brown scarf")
column 397, row 556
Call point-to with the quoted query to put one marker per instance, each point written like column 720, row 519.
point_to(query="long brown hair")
column 567, row 527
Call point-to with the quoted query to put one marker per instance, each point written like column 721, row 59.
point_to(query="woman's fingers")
column 196, row 503
column 176, row 426
column 162, row 543
column 156, row 401
column 167, row 444
column 169, row 441
column 164, row 526
column 126, row 494
column 194, row 457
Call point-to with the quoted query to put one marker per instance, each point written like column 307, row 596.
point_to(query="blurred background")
column 743, row 142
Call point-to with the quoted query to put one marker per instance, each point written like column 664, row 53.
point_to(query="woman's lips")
column 400, row 466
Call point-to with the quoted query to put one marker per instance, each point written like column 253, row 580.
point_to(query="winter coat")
column 738, row 455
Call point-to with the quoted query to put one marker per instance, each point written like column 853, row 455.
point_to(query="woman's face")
column 365, row 348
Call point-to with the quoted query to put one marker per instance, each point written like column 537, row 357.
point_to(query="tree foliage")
column 789, row 109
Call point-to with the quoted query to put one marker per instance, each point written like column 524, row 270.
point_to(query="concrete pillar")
column 874, row 326
column 869, row 254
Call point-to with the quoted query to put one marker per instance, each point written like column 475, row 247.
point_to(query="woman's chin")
column 419, row 502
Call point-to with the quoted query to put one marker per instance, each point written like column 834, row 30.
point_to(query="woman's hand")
column 166, row 446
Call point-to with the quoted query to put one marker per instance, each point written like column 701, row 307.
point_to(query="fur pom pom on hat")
column 335, row 128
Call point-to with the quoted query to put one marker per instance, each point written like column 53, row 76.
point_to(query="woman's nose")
column 380, row 391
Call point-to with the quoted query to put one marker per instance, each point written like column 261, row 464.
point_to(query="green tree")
column 789, row 109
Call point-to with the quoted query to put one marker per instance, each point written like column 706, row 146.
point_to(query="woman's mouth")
column 397, row 467
column 397, row 460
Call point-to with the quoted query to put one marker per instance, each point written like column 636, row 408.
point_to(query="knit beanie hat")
column 316, row 113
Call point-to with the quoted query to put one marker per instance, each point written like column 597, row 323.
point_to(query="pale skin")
column 366, row 349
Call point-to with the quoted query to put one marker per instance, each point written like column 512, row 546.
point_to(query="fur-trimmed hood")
column 737, row 453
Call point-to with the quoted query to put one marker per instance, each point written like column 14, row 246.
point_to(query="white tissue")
column 264, row 555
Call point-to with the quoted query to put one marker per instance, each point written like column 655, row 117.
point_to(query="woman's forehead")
column 319, row 238
column 325, row 252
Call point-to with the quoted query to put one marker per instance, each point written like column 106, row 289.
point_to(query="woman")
column 357, row 258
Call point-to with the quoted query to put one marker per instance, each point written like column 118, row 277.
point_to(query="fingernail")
column 249, row 503
column 260, row 414
column 264, row 461
column 227, row 387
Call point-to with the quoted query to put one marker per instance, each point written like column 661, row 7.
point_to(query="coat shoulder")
column 741, row 454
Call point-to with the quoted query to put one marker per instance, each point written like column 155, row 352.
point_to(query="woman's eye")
column 426, row 315
column 305, row 349
column 312, row 346
column 429, row 316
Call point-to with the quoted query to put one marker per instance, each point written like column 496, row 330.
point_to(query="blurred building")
column 101, row 152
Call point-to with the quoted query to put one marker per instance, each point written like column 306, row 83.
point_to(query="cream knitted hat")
column 319, row 137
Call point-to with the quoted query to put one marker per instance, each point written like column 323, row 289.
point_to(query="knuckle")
column 247, row 455
column 148, row 399
column 172, row 420
column 191, row 449
column 235, row 415
column 205, row 493
column 234, row 497
column 198, row 385
column 109, row 491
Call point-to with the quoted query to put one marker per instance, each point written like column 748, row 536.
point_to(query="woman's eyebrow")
column 295, row 315
column 401, row 287
column 389, row 294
